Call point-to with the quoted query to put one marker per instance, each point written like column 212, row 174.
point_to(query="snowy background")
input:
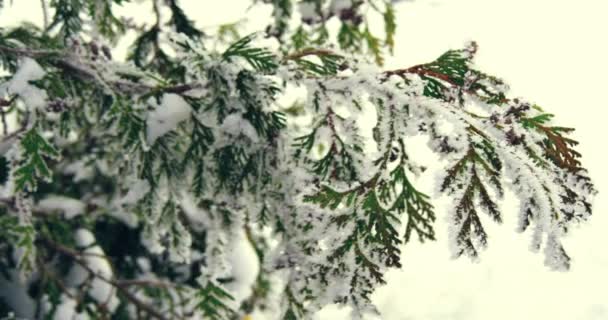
column 553, row 52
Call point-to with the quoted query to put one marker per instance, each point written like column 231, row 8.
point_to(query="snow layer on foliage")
column 14, row 293
column 197, row 219
column 66, row 310
column 29, row 70
column 181, row 252
column 84, row 238
column 339, row 5
column 165, row 117
column 93, row 256
column 137, row 190
column 447, row 126
column 531, row 184
column 235, row 125
column 228, row 251
column 70, row 207
column 245, row 267
column 80, row 170
column 429, row 286
column 307, row 10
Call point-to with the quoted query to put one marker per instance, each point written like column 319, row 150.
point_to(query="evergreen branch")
column 212, row 302
column 35, row 149
column 390, row 26
column 295, row 309
column 181, row 22
column 259, row 59
column 336, row 213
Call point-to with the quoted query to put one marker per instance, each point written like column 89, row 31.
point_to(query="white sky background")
column 552, row 52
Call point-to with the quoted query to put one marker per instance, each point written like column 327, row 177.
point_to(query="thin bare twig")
column 45, row 14
column 146, row 283
column 122, row 288
column 27, row 52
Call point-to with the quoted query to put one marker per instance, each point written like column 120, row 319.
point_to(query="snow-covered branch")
column 246, row 178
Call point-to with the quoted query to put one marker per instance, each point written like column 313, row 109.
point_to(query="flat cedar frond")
column 35, row 150
column 213, row 302
column 390, row 26
column 181, row 22
column 463, row 179
column 559, row 148
column 330, row 63
column 258, row 58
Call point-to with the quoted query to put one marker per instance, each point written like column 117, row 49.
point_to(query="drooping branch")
column 68, row 62
column 75, row 66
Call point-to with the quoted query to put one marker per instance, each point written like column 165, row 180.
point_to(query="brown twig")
column 47, row 272
column 119, row 285
column 146, row 283
column 26, row 52
column 419, row 70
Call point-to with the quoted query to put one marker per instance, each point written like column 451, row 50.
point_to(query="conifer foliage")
column 127, row 185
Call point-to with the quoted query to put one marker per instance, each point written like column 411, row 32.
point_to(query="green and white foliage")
column 128, row 188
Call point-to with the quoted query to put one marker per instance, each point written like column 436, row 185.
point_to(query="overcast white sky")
column 553, row 52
